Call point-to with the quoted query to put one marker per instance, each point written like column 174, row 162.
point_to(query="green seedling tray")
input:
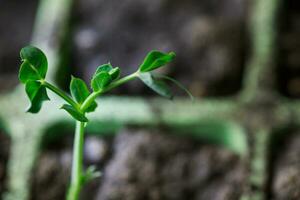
column 232, row 122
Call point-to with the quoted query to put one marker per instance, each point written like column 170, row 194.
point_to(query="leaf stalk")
column 60, row 93
column 77, row 162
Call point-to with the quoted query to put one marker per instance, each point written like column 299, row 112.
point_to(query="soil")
column 286, row 170
column 16, row 23
column 289, row 49
column 51, row 175
column 211, row 45
column 210, row 40
column 4, row 154
column 144, row 164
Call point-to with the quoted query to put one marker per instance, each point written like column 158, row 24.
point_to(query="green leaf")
column 104, row 68
column 100, row 81
column 156, row 85
column 114, row 73
column 34, row 66
column 92, row 107
column 37, row 94
column 90, row 174
column 74, row 113
column 156, row 59
column 178, row 84
column 28, row 73
column 79, row 90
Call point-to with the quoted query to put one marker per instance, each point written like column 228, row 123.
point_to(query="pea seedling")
column 33, row 72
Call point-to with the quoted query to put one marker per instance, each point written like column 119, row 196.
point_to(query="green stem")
column 121, row 81
column 94, row 95
column 60, row 93
column 76, row 178
column 89, row 100
column 77, row 174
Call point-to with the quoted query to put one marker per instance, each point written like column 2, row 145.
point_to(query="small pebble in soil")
column 95, row 150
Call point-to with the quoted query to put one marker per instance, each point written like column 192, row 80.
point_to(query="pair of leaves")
column 104, row 75
column 80, row 93
column 33, row 69
column 154, row 60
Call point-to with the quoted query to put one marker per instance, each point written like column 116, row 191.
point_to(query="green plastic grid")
column 257, row 110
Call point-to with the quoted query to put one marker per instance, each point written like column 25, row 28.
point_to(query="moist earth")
column 4, row 154
column 16, row 24
column 210, row 40
column 288, row 58
column 144, row 164
column 286, row 182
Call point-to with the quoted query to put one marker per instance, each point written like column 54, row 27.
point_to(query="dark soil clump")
column 4, row 154
column 141, row 164
column 209, row 39
column 50, row 177
column 52, row 173
column 289, row 49
column 286, row 170
column 157, row 166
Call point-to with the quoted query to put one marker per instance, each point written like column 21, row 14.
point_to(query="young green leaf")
column 104, row 68
column 28, row 73
column 92, row 107
column 34, row 66
column 156, row 59
column 74, row 113
column 100, row 81
column 37, row 94
column 156, row 85
column 114, row 73
column 79, row 90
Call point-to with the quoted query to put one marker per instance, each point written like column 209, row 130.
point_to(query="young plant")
column 33, row 72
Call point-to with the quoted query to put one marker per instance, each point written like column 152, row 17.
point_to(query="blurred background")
column 216, row 46
column 209, row 37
